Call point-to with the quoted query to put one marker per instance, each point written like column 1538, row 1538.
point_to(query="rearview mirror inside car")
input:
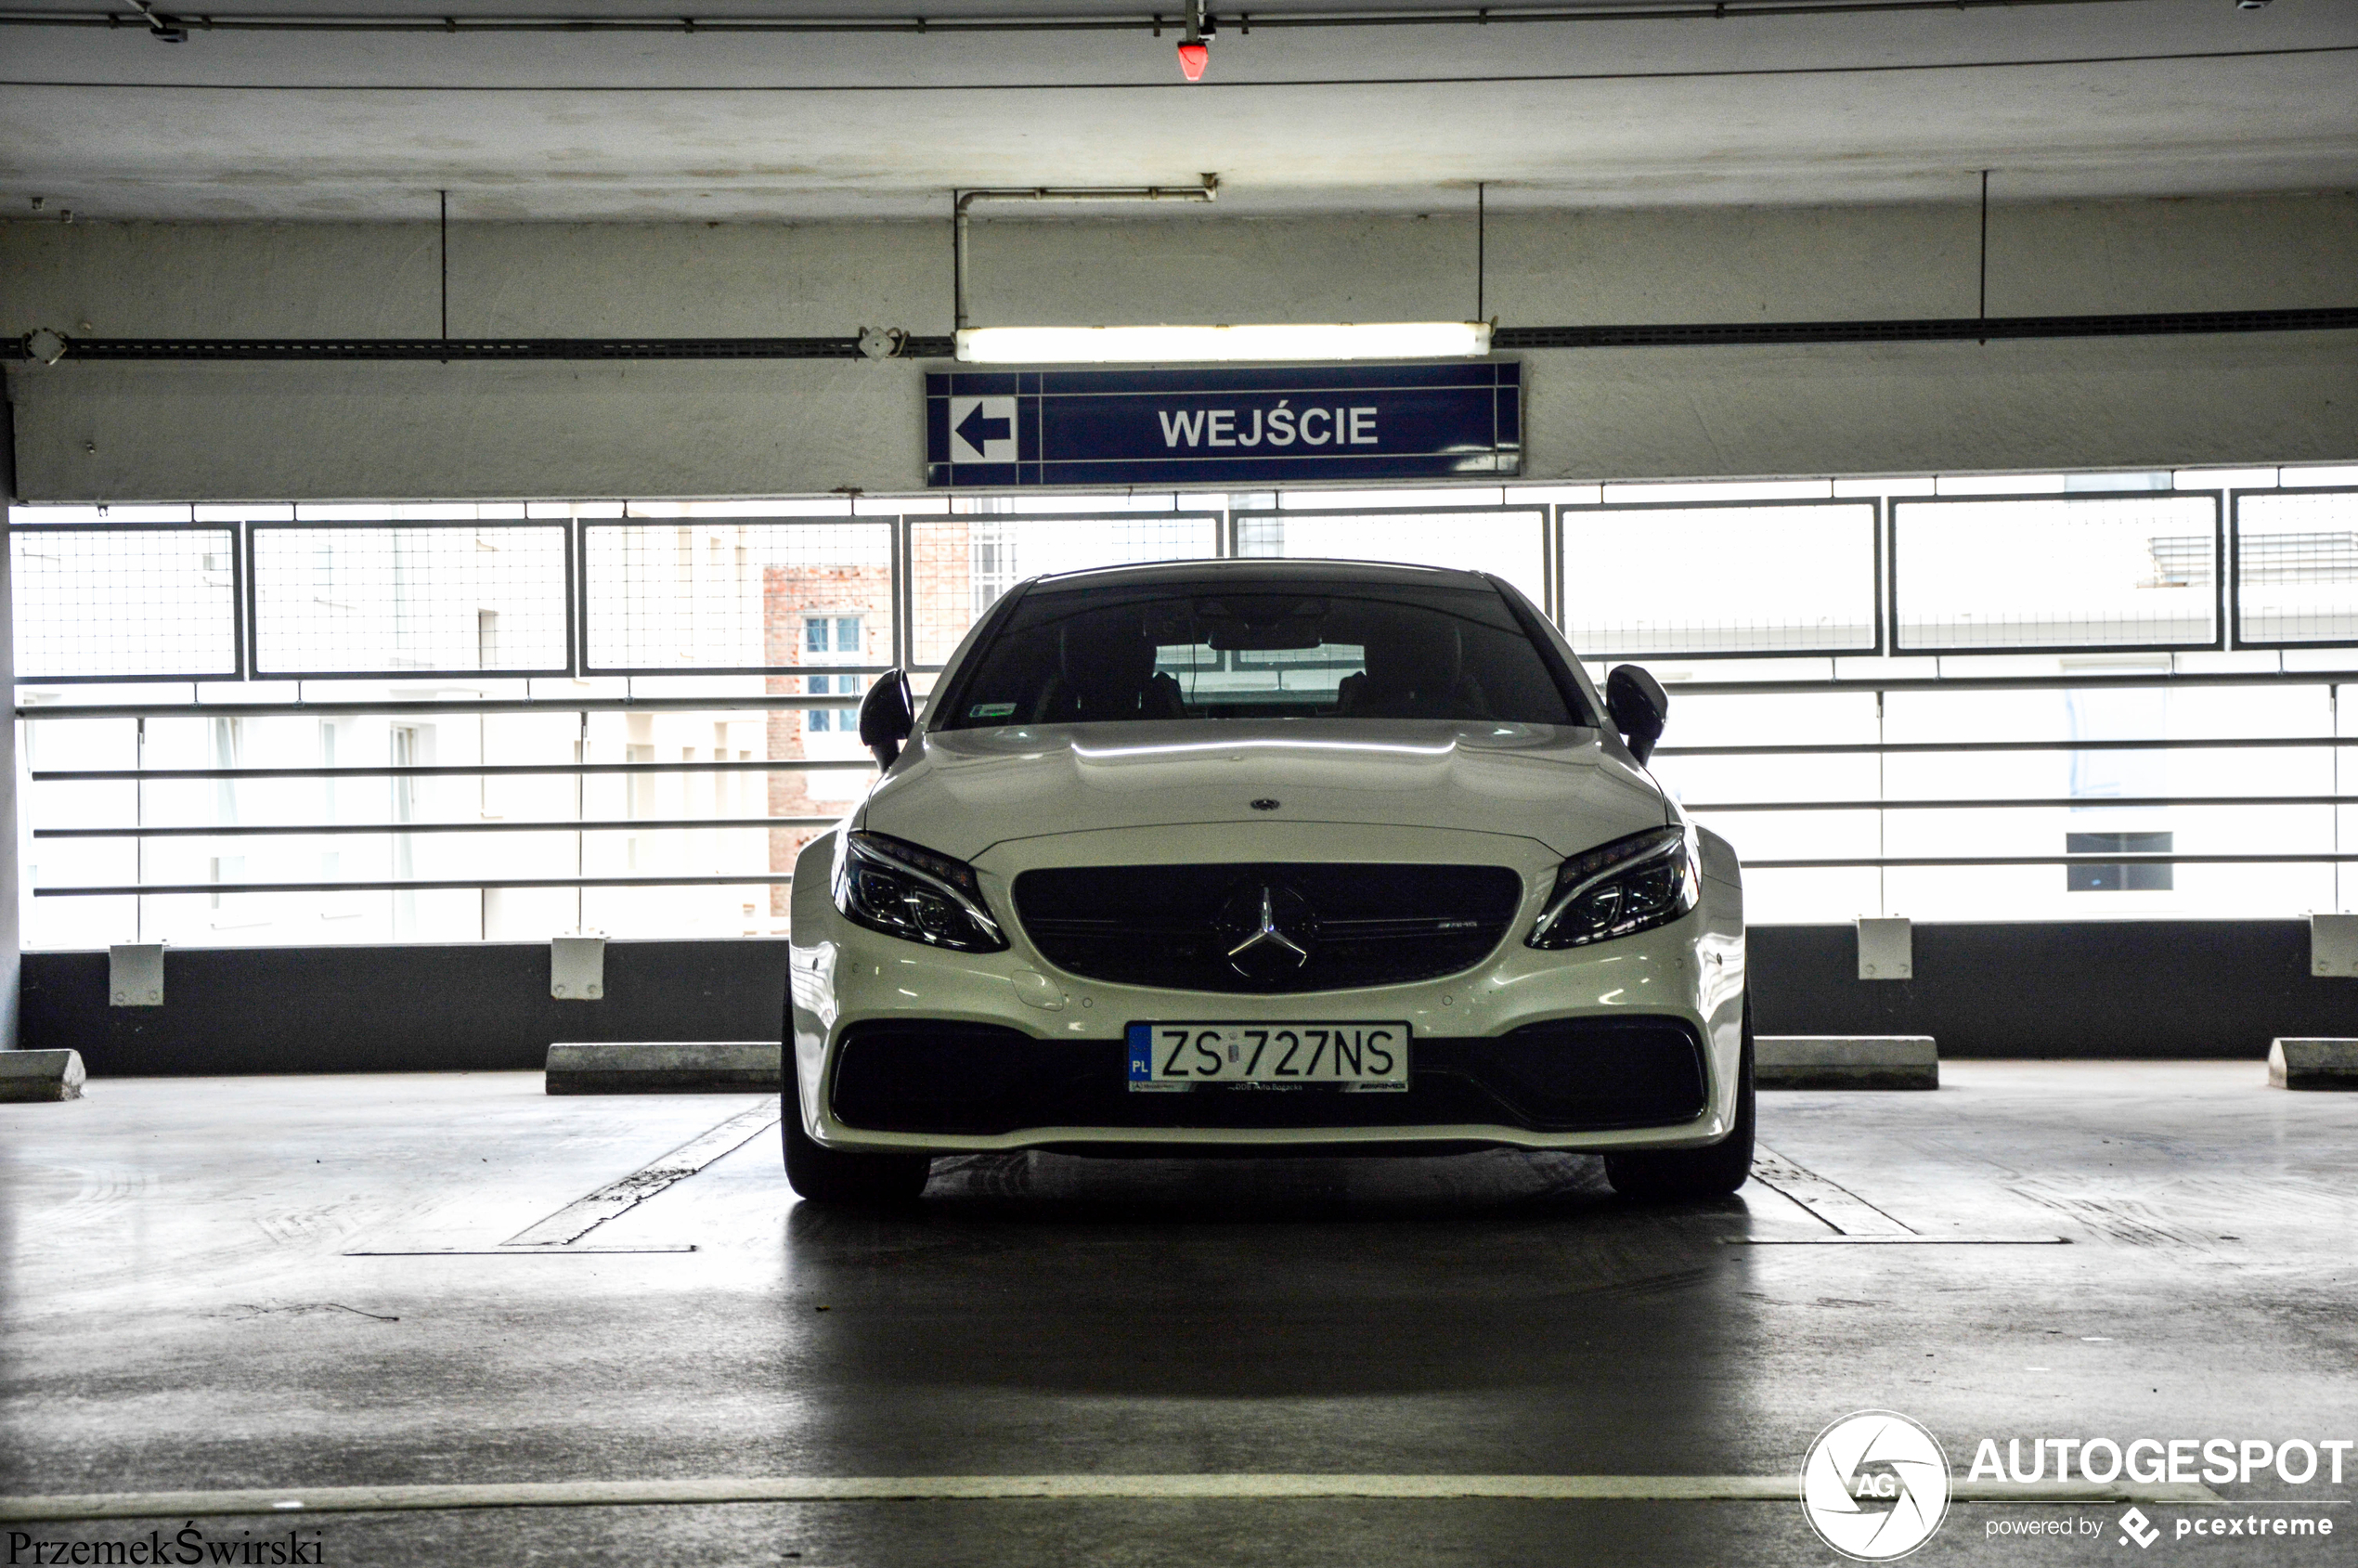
column 1259, row 624
column 887, row 714
column 1237, row 637
column 1638, row 704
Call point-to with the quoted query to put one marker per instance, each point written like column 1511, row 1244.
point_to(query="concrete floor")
column 182, row 1310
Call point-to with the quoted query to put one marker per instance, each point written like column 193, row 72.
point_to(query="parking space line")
column 1247, row 1487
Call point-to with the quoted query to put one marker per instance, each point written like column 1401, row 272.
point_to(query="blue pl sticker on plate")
column 1142, row 1053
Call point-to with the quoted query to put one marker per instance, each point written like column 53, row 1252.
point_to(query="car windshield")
column 1260, row 650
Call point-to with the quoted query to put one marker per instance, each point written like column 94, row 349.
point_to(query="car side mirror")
column 1638, row 704
column 888, row 716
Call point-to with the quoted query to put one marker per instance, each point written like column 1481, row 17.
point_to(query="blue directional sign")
column 1225, row 426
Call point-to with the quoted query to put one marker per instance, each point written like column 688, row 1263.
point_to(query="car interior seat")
column 1414, row 668
column 1110, row 677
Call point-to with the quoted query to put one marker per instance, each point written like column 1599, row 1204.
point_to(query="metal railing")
column 141, row 776
column 1878, row 804
column 1920, row 675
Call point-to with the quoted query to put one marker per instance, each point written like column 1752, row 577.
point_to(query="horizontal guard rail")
column 764, row 702
column 2050, row 802
column 1921, row 748
column 652, row 825
column 308, row 830
column 792, row 701
column 450, row 770
column 775, row 879
column 2102, row 857
column 1862, row 862
column 2157, row 681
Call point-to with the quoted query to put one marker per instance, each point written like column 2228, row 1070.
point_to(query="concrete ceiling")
column 2111, row 98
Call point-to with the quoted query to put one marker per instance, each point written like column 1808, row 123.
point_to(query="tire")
column 834, row 1176
column 1677, row 1175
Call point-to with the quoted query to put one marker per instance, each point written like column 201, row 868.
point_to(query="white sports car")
column 1272, row 857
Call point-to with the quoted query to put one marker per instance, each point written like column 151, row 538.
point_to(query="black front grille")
column 1565, row 1076
column 1173, row 927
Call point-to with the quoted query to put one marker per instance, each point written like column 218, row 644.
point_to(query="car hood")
column 961, row 791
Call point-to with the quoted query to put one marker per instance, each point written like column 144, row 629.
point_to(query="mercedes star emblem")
column 1270, row 930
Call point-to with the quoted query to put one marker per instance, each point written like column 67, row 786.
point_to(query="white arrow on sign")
column 982, row 428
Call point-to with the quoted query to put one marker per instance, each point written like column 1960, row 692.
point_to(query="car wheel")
column 830, row 1175
column 1674, row 1175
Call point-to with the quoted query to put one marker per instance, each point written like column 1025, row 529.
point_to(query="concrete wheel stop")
column 40, row 1075
column 2313, row 1064
column 666, row 1066
column 1846, row 1061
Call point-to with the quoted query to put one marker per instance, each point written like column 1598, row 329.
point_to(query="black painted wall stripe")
column 2126, row 989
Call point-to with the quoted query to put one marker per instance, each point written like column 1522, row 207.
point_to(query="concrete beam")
column 2313, row 1064
column 1846, row 1061
column 40, row 1075
column 666, row 1066
column 327, row 430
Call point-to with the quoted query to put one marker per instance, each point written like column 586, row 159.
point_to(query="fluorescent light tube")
column 1307, row 341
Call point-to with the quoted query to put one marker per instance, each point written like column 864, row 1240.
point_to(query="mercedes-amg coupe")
column 1267, row 857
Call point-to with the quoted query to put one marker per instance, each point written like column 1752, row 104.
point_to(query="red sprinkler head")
column 1192, row 60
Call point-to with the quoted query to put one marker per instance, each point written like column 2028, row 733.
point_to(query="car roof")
column 1256, row 570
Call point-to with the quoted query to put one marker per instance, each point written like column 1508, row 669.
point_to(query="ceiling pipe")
column 1661, row 10
column 50, row 347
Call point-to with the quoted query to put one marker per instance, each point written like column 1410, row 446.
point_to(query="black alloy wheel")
column 837, row 1177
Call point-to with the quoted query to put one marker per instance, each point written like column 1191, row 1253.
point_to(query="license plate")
column 1181, row 1057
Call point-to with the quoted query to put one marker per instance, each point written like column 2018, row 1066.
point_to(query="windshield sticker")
column 991, row 710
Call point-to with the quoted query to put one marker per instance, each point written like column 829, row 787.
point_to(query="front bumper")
column 898, row 1047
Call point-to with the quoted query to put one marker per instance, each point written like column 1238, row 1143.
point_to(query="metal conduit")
column 51, row 348
column 163, row 22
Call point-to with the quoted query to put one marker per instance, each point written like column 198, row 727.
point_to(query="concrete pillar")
column 11, row 937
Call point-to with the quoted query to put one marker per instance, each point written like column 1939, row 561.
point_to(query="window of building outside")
column 2123, row 876
column 832, row 638
column 229, row 910
column 640, row 789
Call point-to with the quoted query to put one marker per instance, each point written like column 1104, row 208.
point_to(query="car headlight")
column 1632, row 884
column 891, row 885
